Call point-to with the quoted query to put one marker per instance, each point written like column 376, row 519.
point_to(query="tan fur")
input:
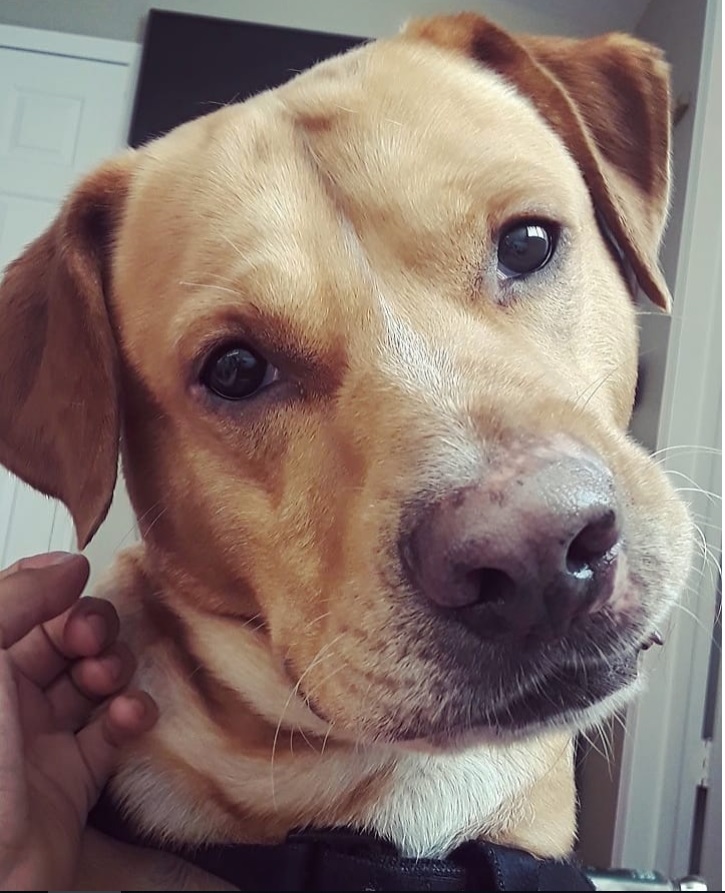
column 345, row 224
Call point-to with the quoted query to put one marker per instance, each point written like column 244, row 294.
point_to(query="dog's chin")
column 573, row 700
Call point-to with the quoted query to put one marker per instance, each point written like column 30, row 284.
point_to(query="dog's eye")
column 235, row 372
column 525, row 247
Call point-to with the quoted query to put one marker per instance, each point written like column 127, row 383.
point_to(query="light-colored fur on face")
column 345, row 224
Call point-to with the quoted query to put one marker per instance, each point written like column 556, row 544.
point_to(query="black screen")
column 193, row 64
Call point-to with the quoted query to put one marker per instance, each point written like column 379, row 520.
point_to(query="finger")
column 92, row 625
column 126, row 717
column 34, row 562
column 84, row 630
column 105, row 675
column 75, row 695
column 13, row 786
column 32, row 594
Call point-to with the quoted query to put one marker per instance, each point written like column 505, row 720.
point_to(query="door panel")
column 58, row 117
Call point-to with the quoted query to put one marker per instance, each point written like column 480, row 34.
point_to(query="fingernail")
column 49, row 559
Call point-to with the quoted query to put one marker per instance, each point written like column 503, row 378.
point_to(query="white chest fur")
column 438, row 801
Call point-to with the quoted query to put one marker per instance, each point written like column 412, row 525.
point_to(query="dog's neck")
column 233, row 760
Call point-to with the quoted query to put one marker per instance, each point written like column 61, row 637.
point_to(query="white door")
column 64, row 107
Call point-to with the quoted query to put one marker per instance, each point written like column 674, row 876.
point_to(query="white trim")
column 662, row 746
column 119, row 52
column 134, row 68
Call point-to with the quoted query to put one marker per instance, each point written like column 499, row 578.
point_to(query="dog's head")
column 369, row 346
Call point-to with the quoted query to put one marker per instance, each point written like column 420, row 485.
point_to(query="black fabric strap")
column 345, row 860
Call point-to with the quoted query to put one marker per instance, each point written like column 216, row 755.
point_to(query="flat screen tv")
column 193, row 64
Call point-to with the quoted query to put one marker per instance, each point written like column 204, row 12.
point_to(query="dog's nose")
column 523, row 553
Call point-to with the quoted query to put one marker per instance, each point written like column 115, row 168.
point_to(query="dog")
column 368, row 344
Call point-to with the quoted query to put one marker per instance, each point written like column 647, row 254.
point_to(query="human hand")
column 59, row 659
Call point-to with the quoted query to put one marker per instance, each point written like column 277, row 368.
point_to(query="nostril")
column 591, row 544
column 493, row 586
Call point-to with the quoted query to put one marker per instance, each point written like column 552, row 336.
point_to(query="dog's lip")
column 560, row 696
column 568, row 688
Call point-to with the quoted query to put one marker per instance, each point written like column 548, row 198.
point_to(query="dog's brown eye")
column 235, row 372
column 524, row 248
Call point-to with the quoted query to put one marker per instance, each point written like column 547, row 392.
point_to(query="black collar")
column 344, row 860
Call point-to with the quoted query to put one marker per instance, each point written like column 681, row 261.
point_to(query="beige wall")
column 123, row 19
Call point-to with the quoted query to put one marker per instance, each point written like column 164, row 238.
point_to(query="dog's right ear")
column 59, row 407
column 608, row 99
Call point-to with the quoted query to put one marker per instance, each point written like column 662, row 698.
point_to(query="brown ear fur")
column 608, row 99
column 59, row 414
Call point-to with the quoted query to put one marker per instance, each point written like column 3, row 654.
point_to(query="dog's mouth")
column 509, row 690
column 572, row 695
column 565, row 695
column 564, row 687
column 569, row 693
column 476, row 683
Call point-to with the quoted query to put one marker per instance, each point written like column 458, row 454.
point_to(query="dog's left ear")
column 608, row 99
column 59, row 402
